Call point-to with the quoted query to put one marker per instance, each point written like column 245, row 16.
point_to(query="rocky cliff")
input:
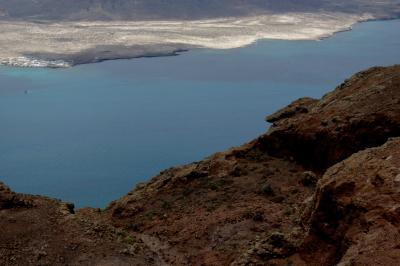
column 321, row 187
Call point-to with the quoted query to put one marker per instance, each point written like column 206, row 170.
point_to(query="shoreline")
column 156, row 39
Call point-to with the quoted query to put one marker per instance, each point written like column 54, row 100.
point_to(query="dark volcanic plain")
column 321, row 187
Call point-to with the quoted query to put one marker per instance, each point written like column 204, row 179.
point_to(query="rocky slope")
column 321, row 187
column 36, row 230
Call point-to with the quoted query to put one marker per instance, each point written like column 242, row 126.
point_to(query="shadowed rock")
column 356, row 209
column 362, row 112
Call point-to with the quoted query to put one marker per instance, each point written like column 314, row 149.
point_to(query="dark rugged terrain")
column 321, row 187
column 181, row 9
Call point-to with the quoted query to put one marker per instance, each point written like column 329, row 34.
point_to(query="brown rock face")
column 41, row 231
column 7, row 197
column 321, row 188
column 356, row 209
column 362, row 112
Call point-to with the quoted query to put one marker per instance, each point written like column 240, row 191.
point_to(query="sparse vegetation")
column 255, row 215
column 266, row 189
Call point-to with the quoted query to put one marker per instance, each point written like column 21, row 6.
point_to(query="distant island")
column 55, row 33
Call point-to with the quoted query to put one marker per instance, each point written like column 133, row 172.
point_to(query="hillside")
column 321, row 187
column 181, row 9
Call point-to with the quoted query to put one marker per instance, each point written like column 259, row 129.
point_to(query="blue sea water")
column 88, row 134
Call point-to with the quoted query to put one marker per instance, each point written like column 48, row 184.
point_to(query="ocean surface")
column 88, row 134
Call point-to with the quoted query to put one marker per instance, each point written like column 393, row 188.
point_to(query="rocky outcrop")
column 362, row 112
column 321, row 187
column 7, row 197
column 356, row 209
column 36, row 230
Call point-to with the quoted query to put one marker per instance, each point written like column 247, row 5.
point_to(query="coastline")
column 128, row 40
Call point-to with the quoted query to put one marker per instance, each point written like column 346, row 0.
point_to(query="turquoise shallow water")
column 88, row 134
